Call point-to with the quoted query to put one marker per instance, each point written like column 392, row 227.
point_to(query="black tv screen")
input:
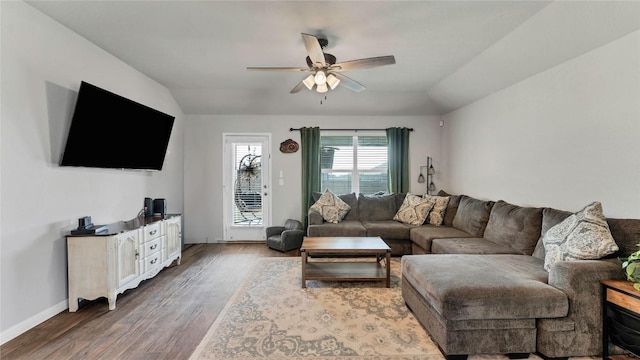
column 110, row 131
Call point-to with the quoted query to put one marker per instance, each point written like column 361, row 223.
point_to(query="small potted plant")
column 631, row 267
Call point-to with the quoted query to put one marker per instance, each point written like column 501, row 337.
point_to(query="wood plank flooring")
column 164, row 318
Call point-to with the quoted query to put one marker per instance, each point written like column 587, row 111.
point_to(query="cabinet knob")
column 137, row 254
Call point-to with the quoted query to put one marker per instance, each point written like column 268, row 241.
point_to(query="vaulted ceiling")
column 448, row 53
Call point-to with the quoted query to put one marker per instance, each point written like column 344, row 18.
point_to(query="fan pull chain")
column 325, row 99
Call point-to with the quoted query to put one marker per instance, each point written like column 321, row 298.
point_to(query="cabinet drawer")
column 152, row 246
column 151, row 231
column 152, row 261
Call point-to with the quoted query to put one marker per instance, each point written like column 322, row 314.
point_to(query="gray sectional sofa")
column 477, row 282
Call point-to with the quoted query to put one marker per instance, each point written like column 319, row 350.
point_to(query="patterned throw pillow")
column 331, row 207
column 582, row 236
column 436, row 216
column 414, row 210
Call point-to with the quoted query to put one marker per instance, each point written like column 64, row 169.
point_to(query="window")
column 354, row 163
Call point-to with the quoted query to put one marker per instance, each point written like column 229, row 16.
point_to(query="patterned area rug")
column 272, row 317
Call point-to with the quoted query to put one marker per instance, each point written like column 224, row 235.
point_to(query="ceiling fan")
column 324, row 70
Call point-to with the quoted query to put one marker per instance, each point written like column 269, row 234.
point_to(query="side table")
column 620, row 317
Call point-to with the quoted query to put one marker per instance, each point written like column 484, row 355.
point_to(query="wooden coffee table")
column 346, row 270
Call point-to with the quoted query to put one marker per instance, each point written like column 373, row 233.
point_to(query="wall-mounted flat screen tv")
column 110, row 131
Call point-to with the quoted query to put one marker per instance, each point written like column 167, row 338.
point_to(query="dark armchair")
column 287, row 237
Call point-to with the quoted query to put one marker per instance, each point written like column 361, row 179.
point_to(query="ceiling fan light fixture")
column 309, row 81
column 323, row 72
column 321, row 78
column 322, row 88
column 332, row 81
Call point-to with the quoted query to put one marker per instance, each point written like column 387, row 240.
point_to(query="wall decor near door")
column 289, row 146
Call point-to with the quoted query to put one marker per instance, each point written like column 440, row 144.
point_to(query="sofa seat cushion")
column 387, row 229
column 424, row 235
column 344, row 228
column 476, row 287
column 463, row 337
column 469, row 246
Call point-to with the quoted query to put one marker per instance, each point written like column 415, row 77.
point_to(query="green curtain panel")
column 398, row 153
column 310, row 149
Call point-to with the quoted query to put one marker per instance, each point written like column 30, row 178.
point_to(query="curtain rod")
column 292, row 129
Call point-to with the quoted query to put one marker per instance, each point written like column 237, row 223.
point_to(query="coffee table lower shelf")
column 345, row 271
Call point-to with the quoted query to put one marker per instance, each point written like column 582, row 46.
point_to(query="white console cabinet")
column 107, row 264
column 173, row 244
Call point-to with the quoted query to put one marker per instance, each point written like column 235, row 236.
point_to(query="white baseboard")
column 33, row 321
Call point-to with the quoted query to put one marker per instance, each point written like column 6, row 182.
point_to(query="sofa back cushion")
column 452, row 207
column 514, row 226
column 399, row 199
column 376, row 207
column 472, row 215
column 626, row 232
column 550, row 218
column 350, row 199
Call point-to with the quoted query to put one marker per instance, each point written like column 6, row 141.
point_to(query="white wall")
column 562, row 138
column 203, row 161
column 42, row 66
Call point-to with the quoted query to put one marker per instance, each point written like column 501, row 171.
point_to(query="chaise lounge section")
column 492, row 294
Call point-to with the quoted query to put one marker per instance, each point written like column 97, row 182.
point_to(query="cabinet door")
column 127, row 255
column 174, row 236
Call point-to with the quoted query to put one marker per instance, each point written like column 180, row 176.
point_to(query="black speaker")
column 84, row 222
column 159, row 207
column 148, row 207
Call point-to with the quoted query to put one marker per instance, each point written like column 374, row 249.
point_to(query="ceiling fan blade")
column 297, row 88
column 349, row 83
column 314, row 49
column 278, row 68
column 365, row 63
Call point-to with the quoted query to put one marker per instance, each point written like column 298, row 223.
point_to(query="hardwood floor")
column 164, row 318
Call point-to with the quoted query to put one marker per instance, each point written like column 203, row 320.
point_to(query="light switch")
column 281, row 181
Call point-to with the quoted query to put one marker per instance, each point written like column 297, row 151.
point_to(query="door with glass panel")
column 246, row 186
